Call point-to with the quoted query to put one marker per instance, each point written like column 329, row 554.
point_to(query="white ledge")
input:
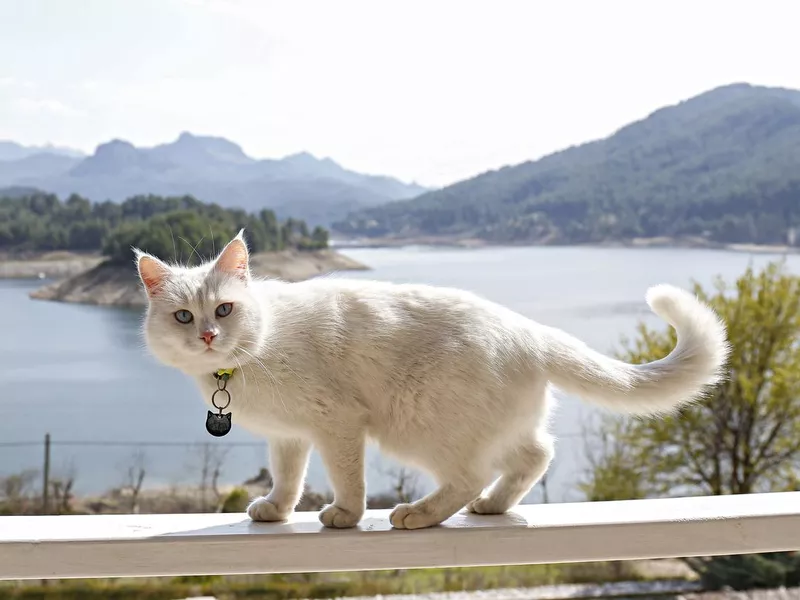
column 228, row 544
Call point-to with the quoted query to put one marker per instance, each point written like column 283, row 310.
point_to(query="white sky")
column 427, row 90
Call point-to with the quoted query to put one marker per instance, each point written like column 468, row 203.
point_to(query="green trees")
column 770, row 570
column 179, row 228
column 319, row 237
column 743, row 437
column 179, row 236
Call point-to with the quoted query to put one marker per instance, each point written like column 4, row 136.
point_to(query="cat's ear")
column 152, row 271
column 235, row 258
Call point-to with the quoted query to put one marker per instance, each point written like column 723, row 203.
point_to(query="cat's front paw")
column 261, row 509
column 487, row 506
column 412, row 516
column 339, row 518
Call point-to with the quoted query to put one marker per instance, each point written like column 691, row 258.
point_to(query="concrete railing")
column 227, row 544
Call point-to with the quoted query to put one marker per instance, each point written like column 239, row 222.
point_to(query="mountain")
column 35, row 166
column 13, row 151
column 15, row 193
column 723, row 167
column 212, row 169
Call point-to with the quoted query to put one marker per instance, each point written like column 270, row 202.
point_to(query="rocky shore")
column 108, row 284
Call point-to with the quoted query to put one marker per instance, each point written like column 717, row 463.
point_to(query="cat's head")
column 204, row 318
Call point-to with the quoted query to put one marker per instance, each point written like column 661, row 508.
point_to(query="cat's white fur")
column 442, row 379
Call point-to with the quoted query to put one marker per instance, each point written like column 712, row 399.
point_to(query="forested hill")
column 176, row 228
column 724, row 165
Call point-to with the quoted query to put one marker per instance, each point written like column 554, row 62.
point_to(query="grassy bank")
column 333, row 585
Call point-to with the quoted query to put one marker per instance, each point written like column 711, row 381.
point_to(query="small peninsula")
column 88, row 247
column 109, row 284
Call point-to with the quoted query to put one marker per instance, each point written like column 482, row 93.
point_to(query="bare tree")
column 61, row 490
column 405, row 487
column 211, row 459
column 545, row 495
column 135, row 478
column 406, row 484
column 17, row 492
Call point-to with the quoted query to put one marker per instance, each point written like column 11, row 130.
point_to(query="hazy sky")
column 426, row 90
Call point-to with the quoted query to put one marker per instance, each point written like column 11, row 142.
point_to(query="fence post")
column 46, row 478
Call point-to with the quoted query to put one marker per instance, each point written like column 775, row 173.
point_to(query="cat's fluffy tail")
column 696, row 362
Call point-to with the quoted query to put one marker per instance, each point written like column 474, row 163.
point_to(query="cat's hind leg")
column 442, row 503
column 522, row 466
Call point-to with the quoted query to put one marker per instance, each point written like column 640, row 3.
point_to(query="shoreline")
column 46, row 265
column 636, row 243
column 294, row 265
column 63, row 264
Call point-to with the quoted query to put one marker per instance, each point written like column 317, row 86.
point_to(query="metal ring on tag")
column 214, row 396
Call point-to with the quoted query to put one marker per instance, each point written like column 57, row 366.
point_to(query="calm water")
column 81, row 374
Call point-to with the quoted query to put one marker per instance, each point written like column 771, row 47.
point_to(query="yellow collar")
column 223, row 374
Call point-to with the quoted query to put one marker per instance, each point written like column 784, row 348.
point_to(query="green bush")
column 749, row 571
column 95, row 591
column 236, row 501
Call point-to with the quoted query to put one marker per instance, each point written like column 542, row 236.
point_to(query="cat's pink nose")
column 208, row 336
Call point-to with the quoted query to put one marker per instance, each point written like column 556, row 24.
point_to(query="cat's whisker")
column 275, row 386
column 174, row 248
column 288, row 366
column 239, row 365
column 252, row 370
column 249, row 365
column 194, row 248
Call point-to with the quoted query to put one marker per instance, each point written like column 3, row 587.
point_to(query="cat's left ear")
column 235, row 258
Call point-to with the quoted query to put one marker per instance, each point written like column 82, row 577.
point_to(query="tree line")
column 171, row 227
column 743, row 216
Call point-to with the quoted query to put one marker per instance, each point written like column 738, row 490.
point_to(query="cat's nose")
column 208, row 336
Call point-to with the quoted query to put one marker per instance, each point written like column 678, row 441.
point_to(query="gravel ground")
column 622, row 589
column 674, row 590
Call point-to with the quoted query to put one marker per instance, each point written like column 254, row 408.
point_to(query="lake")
column 81, row 373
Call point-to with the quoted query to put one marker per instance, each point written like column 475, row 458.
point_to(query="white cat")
column 444, row 380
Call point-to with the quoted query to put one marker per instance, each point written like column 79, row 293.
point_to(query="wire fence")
column 98, row 466
column 142, row 444
column 167, row 444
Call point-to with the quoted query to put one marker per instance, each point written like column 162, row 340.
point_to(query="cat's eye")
column 224, row 309
column 183, row 316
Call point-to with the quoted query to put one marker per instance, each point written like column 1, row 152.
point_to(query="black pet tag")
column 218, row 424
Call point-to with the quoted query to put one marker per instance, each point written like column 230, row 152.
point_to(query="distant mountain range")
column 723, row 167
column 212, row 169
column 14, row 151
